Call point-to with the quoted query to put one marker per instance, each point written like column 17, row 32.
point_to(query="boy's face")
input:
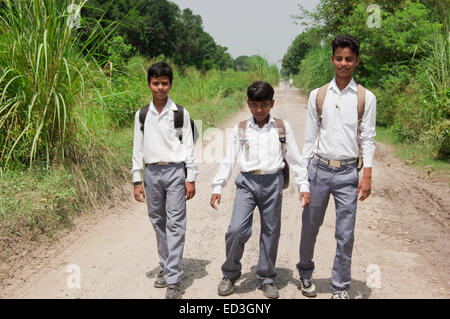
column 344, row 61
column 160, row 87
column 260, row 110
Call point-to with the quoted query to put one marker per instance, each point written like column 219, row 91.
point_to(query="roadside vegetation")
column 404, row 60
column 68, row 98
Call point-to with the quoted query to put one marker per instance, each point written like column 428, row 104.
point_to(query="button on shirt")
column 339, row 125
column 160, row 142
column 263, row 153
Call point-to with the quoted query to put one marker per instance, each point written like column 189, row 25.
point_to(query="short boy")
column 260, row 183
column 166, row 156
column 336, row 144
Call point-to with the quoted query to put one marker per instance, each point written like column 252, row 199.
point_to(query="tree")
column 156, row 27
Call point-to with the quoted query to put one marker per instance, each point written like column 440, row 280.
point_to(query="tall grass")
column 315, row 70
column 202, row 93
column 423, row 114
column 44, row 73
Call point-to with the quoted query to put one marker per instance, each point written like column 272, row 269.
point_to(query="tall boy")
column 333, row 143
column 260, row 183
column 158, row 145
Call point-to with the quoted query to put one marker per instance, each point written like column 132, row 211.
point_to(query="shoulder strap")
column 241, row 130
column 178, row 117
column 320, row 98
column 142, row 115
column 279, row 123
column 361, row 98
column 241, row 133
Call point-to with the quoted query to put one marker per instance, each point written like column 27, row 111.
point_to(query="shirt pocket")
column 349, row 118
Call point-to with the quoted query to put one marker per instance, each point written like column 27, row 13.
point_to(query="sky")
column 248, row 27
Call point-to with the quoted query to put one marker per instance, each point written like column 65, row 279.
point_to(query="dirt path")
column 401, row 235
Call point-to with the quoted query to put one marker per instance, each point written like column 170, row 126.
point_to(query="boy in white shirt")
column 260, row 183
column 339, row 131
column 169, row 175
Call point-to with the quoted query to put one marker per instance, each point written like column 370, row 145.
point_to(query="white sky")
column 248, row 27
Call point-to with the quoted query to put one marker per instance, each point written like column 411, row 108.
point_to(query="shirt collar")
column 252, row 121
column 351, row 85
column 170, row 105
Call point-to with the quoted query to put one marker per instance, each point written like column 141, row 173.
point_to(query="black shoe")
column 307, row 287
column 174, row 291
column 270, row 291
column 160, row 282
column 226, row 286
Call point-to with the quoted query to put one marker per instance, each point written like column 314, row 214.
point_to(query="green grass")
column 416, row 155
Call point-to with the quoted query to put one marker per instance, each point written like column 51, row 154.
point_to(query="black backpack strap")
column 178, row 119
column 142, row 115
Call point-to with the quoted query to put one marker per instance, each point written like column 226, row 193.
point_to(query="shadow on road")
column 192, row 269
column 248, row 282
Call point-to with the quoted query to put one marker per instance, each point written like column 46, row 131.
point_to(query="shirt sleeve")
column 311, row 129
column 188, row 143
column 295, row 160
column 138, row 150
column 226, row 166
column 368, row 131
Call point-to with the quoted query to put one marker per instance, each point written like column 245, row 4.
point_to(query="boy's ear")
column 357, row 60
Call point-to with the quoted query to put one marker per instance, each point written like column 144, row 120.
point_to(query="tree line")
column 159, row 27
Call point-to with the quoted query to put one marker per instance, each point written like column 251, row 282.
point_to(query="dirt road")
column 401, row 242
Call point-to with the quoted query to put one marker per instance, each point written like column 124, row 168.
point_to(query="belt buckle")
column 334, row 163
column 257, row 172
column 163, row 163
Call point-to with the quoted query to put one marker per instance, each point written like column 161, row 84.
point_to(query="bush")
column 315, row 70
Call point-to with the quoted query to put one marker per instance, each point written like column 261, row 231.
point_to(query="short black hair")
column 260, row 91
column 346, row 41
column 160, row 69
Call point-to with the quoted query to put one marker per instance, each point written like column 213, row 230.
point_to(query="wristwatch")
column 137, row 183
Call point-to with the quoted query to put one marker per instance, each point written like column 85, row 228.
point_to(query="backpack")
column 361, row 98
column 282, row 136
column 178, row 120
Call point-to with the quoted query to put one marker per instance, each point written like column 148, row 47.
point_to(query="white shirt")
column 339, row 125
column 160, row 142
column 263, row 153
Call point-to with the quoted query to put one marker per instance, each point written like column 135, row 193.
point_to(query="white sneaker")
column 340, row 295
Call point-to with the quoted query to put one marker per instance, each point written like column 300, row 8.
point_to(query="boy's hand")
column 190, row 190
column 214, row 198
column 364, row 187
column 365, row 184
column 139, row 193
column 306, row 198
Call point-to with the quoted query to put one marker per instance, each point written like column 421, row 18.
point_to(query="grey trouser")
column 342, row 183
column 266, row 192
column 165, row 191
